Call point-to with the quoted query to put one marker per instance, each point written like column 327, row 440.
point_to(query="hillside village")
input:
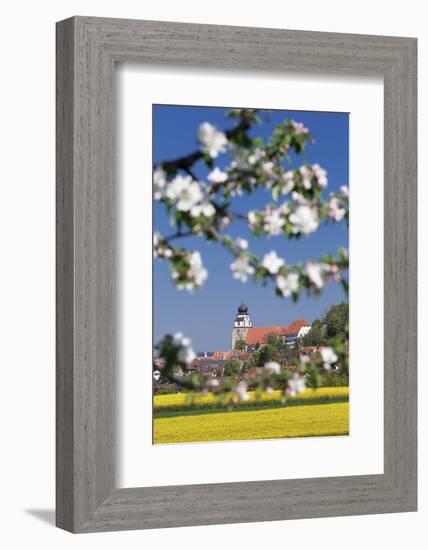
column 252, row 346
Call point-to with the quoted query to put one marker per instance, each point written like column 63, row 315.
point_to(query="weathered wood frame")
column 87, row 50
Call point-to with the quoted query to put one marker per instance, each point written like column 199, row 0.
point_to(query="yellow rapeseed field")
column 180, row 399
column 301, row 421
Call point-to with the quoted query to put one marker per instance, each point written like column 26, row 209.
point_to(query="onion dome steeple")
column 243, row 309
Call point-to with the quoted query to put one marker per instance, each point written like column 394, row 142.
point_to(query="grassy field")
column 298, row 421
column 177, row 404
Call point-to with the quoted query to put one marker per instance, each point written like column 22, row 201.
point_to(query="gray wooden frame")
column 87, row 50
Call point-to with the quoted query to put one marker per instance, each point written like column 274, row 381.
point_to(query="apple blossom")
column 267, row 167
column 241, row 268
column 252, row 217
column 159, row 183
column 204, row 208
column 344, row 189
column 273, row 222
column 295, row 385
column 288, row 284
column 272, row 263
column 328, row 356
column 315, row 273
column 178, row 338
column 335, row 210
column 186, row 355
column 288, row 182
column 185, row 192
column 256, row 156
column 241, row 389
column 304, row 219
column 213, row 142
column 273, row 367
column 306, row 174
column 320, row 175
column 197, row 272
column 299, row 127
column 217, row 176
column 241, row 243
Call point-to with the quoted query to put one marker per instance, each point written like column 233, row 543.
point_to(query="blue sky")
column 207, row 315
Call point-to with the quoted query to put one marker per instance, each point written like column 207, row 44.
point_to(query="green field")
column 323, row 412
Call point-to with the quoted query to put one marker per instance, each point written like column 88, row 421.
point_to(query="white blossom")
column 274, row 222
column 213, row 142
column 185, row 192
column 241, row 268
column 299, row 198
column 252, row 217
column 328, row 356
column 335, row 210
column 267, row 167
column 225, row 221
column 288, row 182
column 185, row 352
column 272, row 262
column 241, row 389
column 160, row 249
column 178, row 338
column 156, row 375
column 306, row 174
column 315, row 273
column 284, row 208
column 186, row 342
column 273, row 366
column 256, row 156
column 288, row 284
column 299, row 127
column 304, row 219
column 204, row 208
column 197, row 271
column 159, row 183
column 217, row 176
column 186, row 355
column 344, row 189
column 320, row 175
column 295, row 385
column 305, row 358
column 241, row 243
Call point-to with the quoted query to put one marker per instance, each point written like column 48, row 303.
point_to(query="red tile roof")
column 259, row 335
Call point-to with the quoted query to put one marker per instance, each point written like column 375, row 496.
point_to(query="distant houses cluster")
column 245, row 339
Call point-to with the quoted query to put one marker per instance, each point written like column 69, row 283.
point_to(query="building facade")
column 253, row 337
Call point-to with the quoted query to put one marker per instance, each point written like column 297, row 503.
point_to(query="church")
column 243, row 331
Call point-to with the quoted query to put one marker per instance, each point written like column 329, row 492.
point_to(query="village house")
column 253, row 337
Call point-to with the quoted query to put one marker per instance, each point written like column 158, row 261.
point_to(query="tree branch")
column 184, row 163
column 178, row 235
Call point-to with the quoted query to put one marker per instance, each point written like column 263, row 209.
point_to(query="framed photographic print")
column 236, row 274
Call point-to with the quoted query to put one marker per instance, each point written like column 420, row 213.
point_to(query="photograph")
column 203, row 345
column 250, row 274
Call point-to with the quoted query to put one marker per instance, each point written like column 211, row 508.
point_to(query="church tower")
column 241, row 325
